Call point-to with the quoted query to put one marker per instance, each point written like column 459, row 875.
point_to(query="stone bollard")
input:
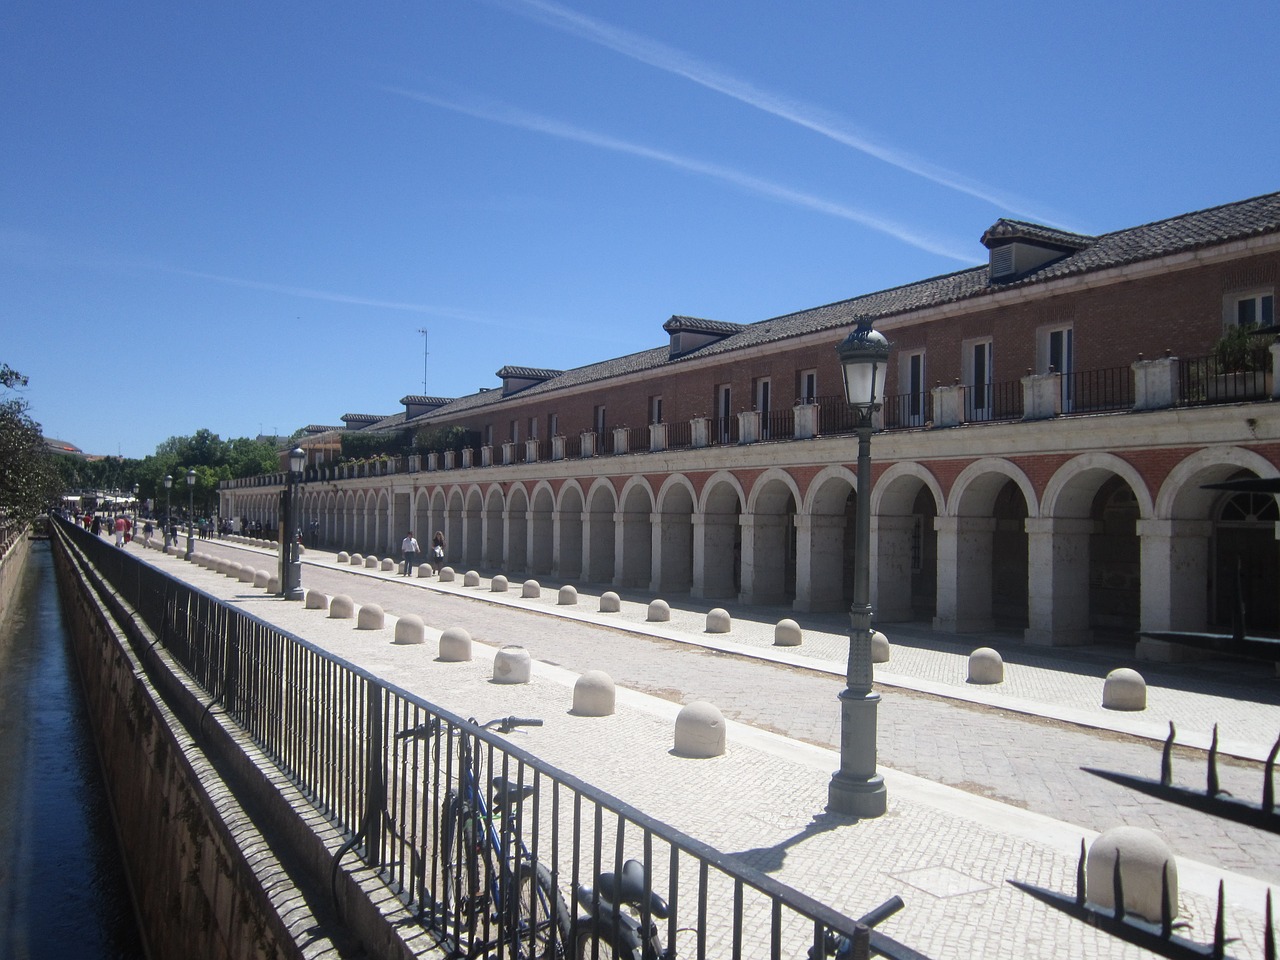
column 700, row 731
column 246, row 574
column 787, row 634
column 512, row 664
column 370, row 617
column 389, row 564
column 446, row 574
column 357, row 560
column 1143, row 858
column 610, row 602
column 273, row 585
column 341, row 607
column 879, row 647
column 471, row 579
column 233, row 570
column 985, row 666
column 594, row 695
column 316, row 601
column 343, row 557
column 567, row 597
column 455, row 645
column 498, row 584
column 531, row 590
column 423, row 571
column 261, row 578
column 222, row 566
column 719, row 621
column 659, row 611
column 1124, row 689
column 410, row 629
column 371, row 563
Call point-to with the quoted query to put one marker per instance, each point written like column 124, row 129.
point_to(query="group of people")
column 413, row 553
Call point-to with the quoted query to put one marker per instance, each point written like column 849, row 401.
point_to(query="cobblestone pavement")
column 1004, row 761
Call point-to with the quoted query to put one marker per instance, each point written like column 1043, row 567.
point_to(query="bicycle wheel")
column 593, row 945
column 459, row 856
column 541, row 920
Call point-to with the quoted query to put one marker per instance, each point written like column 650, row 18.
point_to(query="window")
column 911, row 376
column 724, row 407
column 553, row 424
column 1255, row 309
column 1055, row 357
column 598, row 420
column 808, row 391
column 762, row 389
column 977, row 362
column 655, row 409
column 533, row 428
column 488, row 435
column 515, row 431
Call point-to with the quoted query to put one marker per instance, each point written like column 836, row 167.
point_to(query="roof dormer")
column 358, row 421
column 1019, row 248
column 693, row 333
column 515, row 379
column 416, row 405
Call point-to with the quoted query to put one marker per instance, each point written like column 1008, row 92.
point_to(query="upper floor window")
column 808, row 391
column 911, row 379
column 655, row 409
column 533, row 428
column 598, row 420
column 1256, row 308
column 553, row 424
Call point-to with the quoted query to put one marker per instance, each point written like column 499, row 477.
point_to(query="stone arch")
column 769, row 539
column 635, row 534
column 673, row 536
column 570, row 509
column 905, row 504
column 601, row 503
column 717, row 542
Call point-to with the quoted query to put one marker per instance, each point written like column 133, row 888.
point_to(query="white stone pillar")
column 748, row 426
column 964, row 573
column 820, row 563
column 1155, row 383
column 621, row 440
column 891, row 568
column 763, row 559
column 1041, row 396
column 699, row 432
column 713, row 537
column 806, row 420
column 1175, row 573
column 657, row 437
column 588, row 444
column 948, row 405
column 672, row 553
column 1058, row 581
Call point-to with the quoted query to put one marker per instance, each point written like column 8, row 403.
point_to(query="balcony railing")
column 1097, row 391
column 907, row 410
column 1204, row 380
column 778, row 424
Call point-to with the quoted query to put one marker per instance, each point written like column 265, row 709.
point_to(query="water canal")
column 63, row 892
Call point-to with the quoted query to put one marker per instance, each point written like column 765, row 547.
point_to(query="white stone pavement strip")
column 947, row 852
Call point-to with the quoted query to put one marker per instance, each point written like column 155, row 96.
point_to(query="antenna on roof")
column 423, row 331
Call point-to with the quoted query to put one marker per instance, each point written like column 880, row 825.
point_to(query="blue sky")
column 240, row 215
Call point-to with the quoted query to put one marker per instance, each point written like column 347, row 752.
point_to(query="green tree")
column 29, row 479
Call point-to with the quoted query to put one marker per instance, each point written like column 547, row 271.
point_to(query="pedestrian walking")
column 147, row 530
column 409, row 547
column 437, row 552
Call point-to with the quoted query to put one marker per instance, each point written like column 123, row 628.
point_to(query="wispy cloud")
column 820, row 121
column 513, row 117
column 309, row 294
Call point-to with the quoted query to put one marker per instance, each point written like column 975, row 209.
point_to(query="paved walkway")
column 984, row 783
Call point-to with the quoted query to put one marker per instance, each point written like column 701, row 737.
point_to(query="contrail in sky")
column 511, row 116
column 820, row 121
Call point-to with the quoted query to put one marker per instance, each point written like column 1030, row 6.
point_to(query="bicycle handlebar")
column 424, row 731
column 507, row 724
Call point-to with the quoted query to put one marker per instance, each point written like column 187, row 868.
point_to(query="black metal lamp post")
column 168, row 508
column 856, row 789
column 290, row 562
column 191, row 512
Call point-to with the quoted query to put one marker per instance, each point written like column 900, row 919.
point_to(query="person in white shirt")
column 409, row 547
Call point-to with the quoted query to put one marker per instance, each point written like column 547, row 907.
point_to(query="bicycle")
column 489, row 876
column 620, row 921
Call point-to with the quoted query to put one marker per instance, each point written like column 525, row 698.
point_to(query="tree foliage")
column 29, row 479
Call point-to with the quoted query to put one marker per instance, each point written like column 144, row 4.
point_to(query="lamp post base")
column 864, row 799
column 856, row 789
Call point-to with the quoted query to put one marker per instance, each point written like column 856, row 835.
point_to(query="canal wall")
column 226, row 861
column 12, row 557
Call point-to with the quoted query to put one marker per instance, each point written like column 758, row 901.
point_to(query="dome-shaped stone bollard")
column 371, row 563
column 447, row 574
column 370, row 617
column 222, row 566
column 341, row 607
column 512, row 664
column 1143, row 857
column 246, row 574
column 388, row 564
column 273, row 585
column 530, row 590
column 985, row 666
column 567, row 597
column 471, row 579
column 879, row 647
column 700, row 731
column 261, row 578
column 719, row 621
column 357, row 559
column 410, row 629
column 594, row 695
column 659, row 611
column 787, row 634
column 423, row 571
column 610, row 602
column 1124, row 689
column 343, row 557
column 455, row 645
column 498, row 584
column 316, row 601
column 233, row 570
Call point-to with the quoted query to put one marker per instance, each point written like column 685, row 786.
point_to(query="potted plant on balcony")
column 1241, row 365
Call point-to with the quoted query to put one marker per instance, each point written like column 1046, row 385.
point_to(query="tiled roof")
column 528, row 373
column 678, row 324
column 1004, row 229
column 419, row 399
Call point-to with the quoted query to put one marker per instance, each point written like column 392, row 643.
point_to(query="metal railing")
column 778, row 424
column 680, row 435
column 723, row 431
column 638, row 439
column 1205, row 380
column 906, row 410
column 343, row 736
column 993, row 401
column 1097, row 391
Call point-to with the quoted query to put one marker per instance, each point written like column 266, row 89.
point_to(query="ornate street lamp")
column 290, row 562
column 168, row 508
column 856, row 789
column 191, row 512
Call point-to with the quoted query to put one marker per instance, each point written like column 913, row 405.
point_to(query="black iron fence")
column 723, row 431
column 1097, row 391
column 778, row 424
column 346, row 738
column 993, row 401
column 1203, row 380
column 906, row 410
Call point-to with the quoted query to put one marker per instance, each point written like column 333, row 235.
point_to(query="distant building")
column 1051, row 419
